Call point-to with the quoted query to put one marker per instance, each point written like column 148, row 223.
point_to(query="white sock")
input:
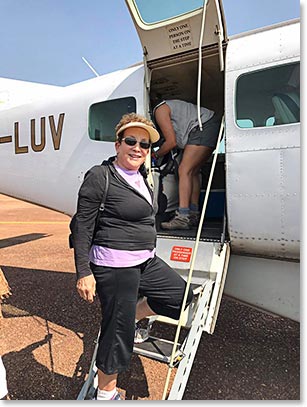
column 105, row 395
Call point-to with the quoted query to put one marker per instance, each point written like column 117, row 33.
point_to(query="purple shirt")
column 104, row 256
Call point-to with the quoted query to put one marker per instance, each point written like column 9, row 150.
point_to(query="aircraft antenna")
column 90, row 66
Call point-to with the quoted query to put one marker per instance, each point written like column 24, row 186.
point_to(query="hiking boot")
column 194, row 219
column 179, row 222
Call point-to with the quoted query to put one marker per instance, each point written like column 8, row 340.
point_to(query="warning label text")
column 180, row 253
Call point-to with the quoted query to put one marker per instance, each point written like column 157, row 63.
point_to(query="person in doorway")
column 115, row 253
column 178, row 122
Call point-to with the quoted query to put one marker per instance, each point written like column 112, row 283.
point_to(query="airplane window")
column 269, row 97
column 104, row 116
column 160, row 10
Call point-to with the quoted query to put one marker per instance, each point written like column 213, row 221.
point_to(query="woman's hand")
column 86, row 287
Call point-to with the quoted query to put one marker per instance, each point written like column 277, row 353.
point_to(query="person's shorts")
column 209, row 134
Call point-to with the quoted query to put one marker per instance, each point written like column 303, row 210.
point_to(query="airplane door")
column 174, row 27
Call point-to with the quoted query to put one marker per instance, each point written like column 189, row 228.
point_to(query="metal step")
column 158, row 349
column 203, row 321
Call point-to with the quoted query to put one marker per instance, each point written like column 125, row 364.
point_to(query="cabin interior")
column 176, row 78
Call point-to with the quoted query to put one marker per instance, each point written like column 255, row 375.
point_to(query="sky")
column 44, row 40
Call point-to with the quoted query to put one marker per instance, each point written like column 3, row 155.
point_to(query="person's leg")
column 117, row 289
column 207, row 139
column 194, row 214
column 196, row 185
column 107, row 382
column 164, row 289
column 189, row 183
column 143, row 310
column 194, row 156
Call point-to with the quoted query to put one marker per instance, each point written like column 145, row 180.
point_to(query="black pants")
column 118, row 290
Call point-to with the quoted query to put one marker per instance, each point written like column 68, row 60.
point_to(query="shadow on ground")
column 52, row 296
column 29, row 237
column 250, row 356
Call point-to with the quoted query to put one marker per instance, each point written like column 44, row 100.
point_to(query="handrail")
column 202, row 29
column 201, row 221
column 220, row 33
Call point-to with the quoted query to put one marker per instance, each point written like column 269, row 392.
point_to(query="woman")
column 123, row 263
column 178, row 122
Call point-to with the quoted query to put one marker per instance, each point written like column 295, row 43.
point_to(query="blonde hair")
column 131, row 118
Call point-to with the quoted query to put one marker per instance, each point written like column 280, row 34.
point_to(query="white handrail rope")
column 180, row 322
column 200, row 63
column 220, row 35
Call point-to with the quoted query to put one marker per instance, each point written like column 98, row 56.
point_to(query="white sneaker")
column 117, row 396
column 141, row 334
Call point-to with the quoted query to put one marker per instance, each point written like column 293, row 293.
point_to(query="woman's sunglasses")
column 131, row 141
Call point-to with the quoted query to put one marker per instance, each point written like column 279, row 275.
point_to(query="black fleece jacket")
column 127, row 222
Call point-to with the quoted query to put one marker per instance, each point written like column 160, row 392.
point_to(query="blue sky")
column 44, row 40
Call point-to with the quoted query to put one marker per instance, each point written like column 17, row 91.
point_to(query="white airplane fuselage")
column 45, row 150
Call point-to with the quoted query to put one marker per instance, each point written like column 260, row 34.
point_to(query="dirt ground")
column 47, row 332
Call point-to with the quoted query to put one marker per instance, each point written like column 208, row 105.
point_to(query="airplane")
column 248, row 243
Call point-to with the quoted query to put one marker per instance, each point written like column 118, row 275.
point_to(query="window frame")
column 252, row 72
column 108, row 124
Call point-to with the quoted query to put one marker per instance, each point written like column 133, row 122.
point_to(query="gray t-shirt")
column 184, row 119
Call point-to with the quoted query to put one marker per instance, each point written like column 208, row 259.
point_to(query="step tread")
column 155, row 348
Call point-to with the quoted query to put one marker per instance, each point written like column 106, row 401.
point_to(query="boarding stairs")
column 201, row 315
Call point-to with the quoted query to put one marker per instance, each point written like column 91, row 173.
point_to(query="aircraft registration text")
column 37, row 146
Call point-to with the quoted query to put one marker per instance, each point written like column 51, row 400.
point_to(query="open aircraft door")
column 177, row 32
column 174, row 27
